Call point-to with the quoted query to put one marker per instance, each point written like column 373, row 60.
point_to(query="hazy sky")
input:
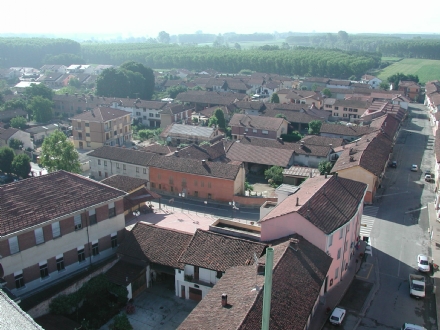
column 147, row 18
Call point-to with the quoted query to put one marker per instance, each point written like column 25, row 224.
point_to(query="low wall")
column 253, row 201
column 43, row 307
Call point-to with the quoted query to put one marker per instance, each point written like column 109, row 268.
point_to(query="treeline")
column 388, row 45
column 300, row 61
column 32, row 51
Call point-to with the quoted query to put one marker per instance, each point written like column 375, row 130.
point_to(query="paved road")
column 401, row 233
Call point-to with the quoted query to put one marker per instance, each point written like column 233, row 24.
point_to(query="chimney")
column 325, row 175
column 224, row 300
column 297, row 201
column 336, row 175
column 176, row 153
column 203, row 162
column 294, row 243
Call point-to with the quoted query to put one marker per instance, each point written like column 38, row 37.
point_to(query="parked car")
column 337, row 316
column 408, row 326
column 414, row 168
column 423, row 263
column 429, row 177
column 393, row 164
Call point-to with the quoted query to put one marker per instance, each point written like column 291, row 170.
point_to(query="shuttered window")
column 13, row 245
column 39, row 237
column 78, row 224
column 56, row 232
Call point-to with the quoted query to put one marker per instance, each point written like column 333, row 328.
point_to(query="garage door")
column 195, row 294
column 139, row 284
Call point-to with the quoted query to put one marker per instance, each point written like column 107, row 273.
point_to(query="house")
column 174, row 113
column 57, row 68
column 394, row 98
column 69, row 105
column 327, row 212
column 214, row 153
column 306, row 97
column 256, row 126
column 432, row 95
column 311, row 83
column 176, row 134
column 202, row 99
column 39, row 133
column 52, row 79
column 373, row 81
column 55, row 225
column 236, row 301
column 22, row 85
column 410, row 89
column 136, row 189
column 7, row 115
column 347, row 109
column 207, row 257
column 145, row 112
column 295, row 175
column 101, row 126
column 365, row 161
column 347, row 132
column 345, row 84
column 6, row 135
column 378, row 109
column 251, row 107
column 149, row 253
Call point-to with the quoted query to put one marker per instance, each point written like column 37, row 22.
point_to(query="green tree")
column 280, row 115
column 213, row 121
column 173, row 91
column 38, row 90
column 146, row 90
column 275, row 98
column 15, row 144
column 121, row 322
column 74, row 82
column 325, row 167
column 58, row 153
column 315, row 127
column 219, row 114
column 274, row 175
column 163, row 37
column 21, row 165
column 327, row 92
column 6, row 158
column 15, row 104
column 42, row 109
column 237, row 46
column 384, row 85
column 18, row 122
column 292, row 137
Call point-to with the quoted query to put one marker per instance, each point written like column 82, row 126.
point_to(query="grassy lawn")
column 426, row 69
column 391, row 59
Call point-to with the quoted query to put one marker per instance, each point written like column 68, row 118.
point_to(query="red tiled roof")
column 220, row 252
column 6, row 133
column 124, row 272
column 326, row 203
column 125, row 155
column 437, row 147
column 35, row 200
column 259, row 155
column 298, row 274
column 101, row 114
column 124, row 183
column 346, row 130
column 159, row 245
column 256, row 122
column 159, row 149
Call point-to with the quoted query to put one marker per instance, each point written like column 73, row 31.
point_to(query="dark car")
column 393, row 164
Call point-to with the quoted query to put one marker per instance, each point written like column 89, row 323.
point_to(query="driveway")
column 158, row 308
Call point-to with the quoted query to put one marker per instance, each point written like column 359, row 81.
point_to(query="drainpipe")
column 267, row 289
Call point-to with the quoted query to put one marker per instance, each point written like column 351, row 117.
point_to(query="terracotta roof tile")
column 345, row 130
column 220, row 252
column 154, row 244
column 159, row 149
column 101, row 114
column 124, row 183
column 256, row 122
column 124, row 272
column 125, row 155
column 35, row 200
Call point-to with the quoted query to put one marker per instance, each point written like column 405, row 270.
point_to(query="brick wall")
column 47, row 232
column 31, row 273
column 70, row 257
column 104, row 243
column 102, row 213
column 4, row 248
column 26, row 240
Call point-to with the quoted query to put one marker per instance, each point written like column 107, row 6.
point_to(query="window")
column 43, row 269
column 105, row 163
column 336, row 273
column 355, row 110
column 115, row 133
column 87, row 134
column 160, row 186
column 245, row 129
column 157, row 115
column 95, row 248
column 339, row 253
column 80, row 136
column 81, row 255
column 13, row 245
column 114, row 239
column 171, row 180
column 124, row 167
column 99, row 173
column 89, row 144
column 60, row 262
column 117, row 166
column 87, row 124
column 92, row 217
column 111, row 210
column 265, row 132
column 172, row 189
column 345, row 115
column 345, row 109
column 336, row 108
column 79, row 125
column 138, row 113
column 254, row 131
column 196, row 272
column 56, row 232
column 219, row 274
column 330, row 240
column 137, row 169
column 153, row 185
column 19, row 280
column 335, row 114
column 151, row 115
column 341, row 233
column 39, row 237
column 145, row 171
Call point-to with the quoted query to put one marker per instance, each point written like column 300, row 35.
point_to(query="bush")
column 292, row 137
column 122, row 322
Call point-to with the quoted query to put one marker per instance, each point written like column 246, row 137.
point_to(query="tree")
column 18, row 122
column 274, row 175
column 219, row 114
column 325, row 167
column 41, row 109
column 343, row 36
column 38, row 90
column 327, row 92
column 280, row 115
column 384, row 85
column 6, row 157
column 213, row 121
column 147, row 89
column 292, row 137
column 163, row 37
column 58, row 153
column 173, row 91
column 74, row 82
column 315, row 127
column 15, row 144
column 21, row 165
column 237, row 46
column 275, row 98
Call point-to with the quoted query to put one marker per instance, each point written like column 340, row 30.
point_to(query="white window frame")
column 339, row 253
column 39, row 236
column 56, row 230
column 336, row 273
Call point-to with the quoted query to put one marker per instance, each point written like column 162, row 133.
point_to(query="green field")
column 426, row 69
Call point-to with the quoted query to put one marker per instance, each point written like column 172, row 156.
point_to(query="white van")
column 407, row 326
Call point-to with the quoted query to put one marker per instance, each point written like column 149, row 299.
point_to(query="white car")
column 423, row 263
column 337, row 316
column 414, row 168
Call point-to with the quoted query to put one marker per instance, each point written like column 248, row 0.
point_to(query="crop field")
column 426, row 69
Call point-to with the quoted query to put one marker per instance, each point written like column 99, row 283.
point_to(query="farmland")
column 426, row 69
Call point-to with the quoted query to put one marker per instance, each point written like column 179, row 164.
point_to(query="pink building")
column 327, row 212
